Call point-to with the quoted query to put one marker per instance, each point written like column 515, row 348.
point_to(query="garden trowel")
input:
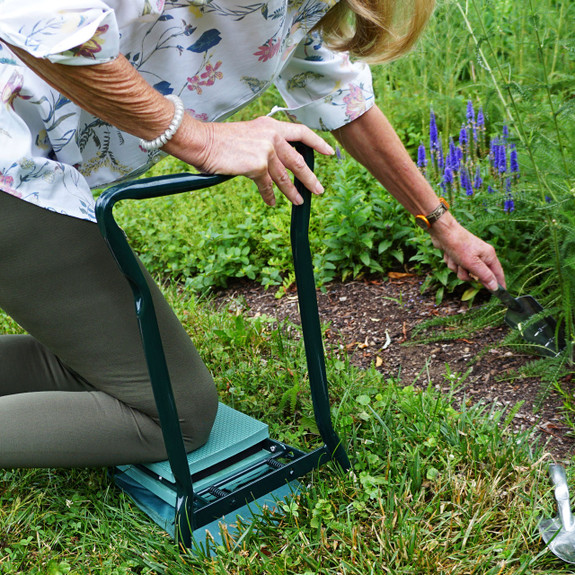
column 559, row 532
column 541, row 331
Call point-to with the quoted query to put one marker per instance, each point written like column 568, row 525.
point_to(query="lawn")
column 433, row 490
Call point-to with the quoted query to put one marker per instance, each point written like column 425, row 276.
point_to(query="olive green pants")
column 75, row 391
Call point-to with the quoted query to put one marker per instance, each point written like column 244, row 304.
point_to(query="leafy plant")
column 363, row 228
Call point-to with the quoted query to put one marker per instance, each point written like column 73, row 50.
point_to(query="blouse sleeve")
column 72, row 32
column 323, row 89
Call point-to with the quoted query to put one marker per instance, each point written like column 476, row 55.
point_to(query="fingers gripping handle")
column 507, row 299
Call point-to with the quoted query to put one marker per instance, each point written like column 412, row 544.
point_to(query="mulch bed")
column 374, row 320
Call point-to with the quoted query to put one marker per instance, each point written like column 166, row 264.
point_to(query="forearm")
column 372, row 141
column 113, row 91
column 116, row 93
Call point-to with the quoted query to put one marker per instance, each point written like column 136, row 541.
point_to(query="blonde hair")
column 375, row 30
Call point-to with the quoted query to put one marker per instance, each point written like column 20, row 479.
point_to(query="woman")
column 93, row 91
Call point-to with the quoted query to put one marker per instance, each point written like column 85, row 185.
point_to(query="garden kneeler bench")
column 240, row 463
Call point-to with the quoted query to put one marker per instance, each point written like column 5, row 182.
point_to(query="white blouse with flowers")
column 217, row 55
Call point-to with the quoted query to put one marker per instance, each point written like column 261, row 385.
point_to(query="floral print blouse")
column 217, row 55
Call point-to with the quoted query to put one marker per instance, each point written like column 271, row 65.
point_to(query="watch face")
column 422, row 222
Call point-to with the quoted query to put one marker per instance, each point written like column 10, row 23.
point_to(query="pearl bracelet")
column 160, row 141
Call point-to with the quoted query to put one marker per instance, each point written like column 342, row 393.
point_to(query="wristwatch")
column 425, row 222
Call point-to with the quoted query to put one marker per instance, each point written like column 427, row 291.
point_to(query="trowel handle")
column 559, row 479
column 506, row 298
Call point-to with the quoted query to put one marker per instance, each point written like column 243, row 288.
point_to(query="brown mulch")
column 374, row 320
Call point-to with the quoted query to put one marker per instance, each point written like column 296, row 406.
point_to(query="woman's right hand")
column 259, row 149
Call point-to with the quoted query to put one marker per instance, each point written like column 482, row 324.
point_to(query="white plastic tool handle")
column 559, row 479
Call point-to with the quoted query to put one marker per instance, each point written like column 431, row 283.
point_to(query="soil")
column 374, row 321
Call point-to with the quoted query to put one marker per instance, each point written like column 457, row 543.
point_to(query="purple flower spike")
column 466, row 182
column 480, row 119
column 548, row 199
column 440, row 158
column 490, row 190
column 459, row 153
column 433, row 134
column 509, row 204
column 470, row 113
column 493, row 152
column 505, row 132
column 508, row 186
column 463, row 137
column 448, row 175
column 502, row 158
column 478, row 181
column 452, row 158
column 421, row 156
column 513, row 162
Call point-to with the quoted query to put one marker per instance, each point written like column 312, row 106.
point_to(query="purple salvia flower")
column 509, row 204
column 470, row 113
column 452, row 161
column 421, row 156
column 459, row 154
column 505, row 132
column 513, row 162
column 448, row 175
column 480, row 119
column 493, row 144
column 466, row 182
column 478, row 181
column 440, row 158
column 502, row 158
column 463, row 138
column 508, row 185
column 433, row 134
column 468, row 187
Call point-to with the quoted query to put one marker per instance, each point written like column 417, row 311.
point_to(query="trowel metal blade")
column 541, row 332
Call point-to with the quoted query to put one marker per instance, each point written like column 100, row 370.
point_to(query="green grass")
column 433, row 490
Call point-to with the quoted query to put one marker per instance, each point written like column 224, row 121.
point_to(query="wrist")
column 176, row 121
column 444, row 225
column 430, row 219
column 190, row 142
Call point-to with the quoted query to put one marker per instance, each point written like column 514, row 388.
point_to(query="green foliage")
column 514, row 63
column 532, row 84
column 209, row 237
column 363, row 228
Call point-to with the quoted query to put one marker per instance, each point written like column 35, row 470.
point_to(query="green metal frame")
column 191, row 512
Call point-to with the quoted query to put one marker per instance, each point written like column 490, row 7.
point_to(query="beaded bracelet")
column 160, row 141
